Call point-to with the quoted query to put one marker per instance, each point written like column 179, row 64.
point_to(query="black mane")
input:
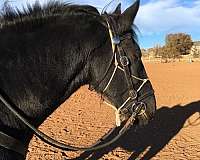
column 38, row 14
column 34, row 16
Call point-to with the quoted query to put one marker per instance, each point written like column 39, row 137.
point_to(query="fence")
column 160, row 60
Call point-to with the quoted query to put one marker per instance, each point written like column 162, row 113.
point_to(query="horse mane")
column 38, row 14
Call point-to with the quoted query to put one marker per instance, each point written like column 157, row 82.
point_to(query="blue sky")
column 155, row 18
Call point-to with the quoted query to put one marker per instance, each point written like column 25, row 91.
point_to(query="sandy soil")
column 173, row 134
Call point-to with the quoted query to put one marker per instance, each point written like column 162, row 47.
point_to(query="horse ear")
column 129, row 14
column 118, row 9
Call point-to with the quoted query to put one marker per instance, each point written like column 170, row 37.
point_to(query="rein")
column 57, row 144
column 138, row 108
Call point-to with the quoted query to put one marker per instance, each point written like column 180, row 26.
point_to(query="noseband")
column 137, row 108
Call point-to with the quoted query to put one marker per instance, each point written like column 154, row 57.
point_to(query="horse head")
column 117, row 71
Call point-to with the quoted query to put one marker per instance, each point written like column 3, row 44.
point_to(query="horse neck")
column 56, row 69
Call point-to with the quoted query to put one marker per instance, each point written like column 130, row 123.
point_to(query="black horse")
column 48, row 52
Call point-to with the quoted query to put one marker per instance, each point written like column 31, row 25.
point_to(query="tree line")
column 176, row 45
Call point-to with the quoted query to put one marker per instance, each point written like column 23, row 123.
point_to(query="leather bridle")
column 122, row 65
column 137, row 108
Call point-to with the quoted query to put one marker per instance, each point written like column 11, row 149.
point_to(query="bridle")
column 137, row 108
column 124, row 62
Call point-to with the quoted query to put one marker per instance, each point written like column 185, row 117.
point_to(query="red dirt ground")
column 173, row 134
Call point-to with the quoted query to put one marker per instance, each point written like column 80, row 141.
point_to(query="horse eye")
column 136, row 58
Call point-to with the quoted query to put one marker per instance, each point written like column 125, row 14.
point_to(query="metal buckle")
column 142, row 108
column 133, row 94
column 124, row 61
column 116, row 40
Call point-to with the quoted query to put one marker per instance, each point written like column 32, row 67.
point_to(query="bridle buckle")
column 141, row 107
column 116, row 40
column 133, row 94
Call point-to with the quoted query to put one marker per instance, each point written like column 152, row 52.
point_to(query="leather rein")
column 138, row 108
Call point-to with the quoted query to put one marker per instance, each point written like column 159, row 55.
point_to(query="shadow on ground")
column 167, row 123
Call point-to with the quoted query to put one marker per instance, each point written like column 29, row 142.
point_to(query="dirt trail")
column 173, row 134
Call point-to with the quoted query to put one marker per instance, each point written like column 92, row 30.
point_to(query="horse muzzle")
column 146, row 107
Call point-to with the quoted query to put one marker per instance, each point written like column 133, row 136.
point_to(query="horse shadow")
column 165, row 125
